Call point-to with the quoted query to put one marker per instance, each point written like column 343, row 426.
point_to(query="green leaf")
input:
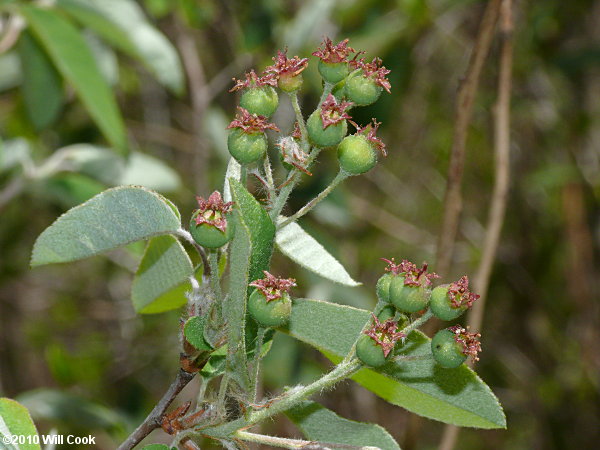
column 52, row 405
column 260, row 226
column 135, row 37
column 74, row 60
column 156, row 447
column 234, row 306
column 150, row 172
column 92, row 160
column 164, row 266
column 15, row 421
column 318, row 423
column 42, row 86
column 194, row 333
column 109, row 220
column 456, row 396
column 303, row 249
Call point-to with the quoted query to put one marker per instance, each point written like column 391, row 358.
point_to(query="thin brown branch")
column 153, row 421
column 500, row 192
column 464, row 111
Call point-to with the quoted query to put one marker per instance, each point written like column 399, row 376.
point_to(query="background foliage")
column 71, row 346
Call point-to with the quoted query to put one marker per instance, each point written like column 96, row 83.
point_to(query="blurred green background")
column 71, row 346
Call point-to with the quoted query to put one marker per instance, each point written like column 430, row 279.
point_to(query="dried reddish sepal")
column 469, row 341
column 373, row 70
column 251, row 123
column 413, row 276
column 286, row 67
column 272, row 287
column 370, row 132
column 293, row 154
column 330, row 53
column 252, row 80
column 385, row 334
column 296, row 133
column 333, row 112
column 459, row 294
column 213, row 211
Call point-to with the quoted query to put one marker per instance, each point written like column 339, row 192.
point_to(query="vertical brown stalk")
column 453, row 197
column 500, row 192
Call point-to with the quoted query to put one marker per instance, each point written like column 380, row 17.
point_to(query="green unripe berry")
column 261, row 100
column 289, row 83
column 446, row 351
column 383, row 287
column 274, row 313
column 369, row 352
column 387, row 312
column 361, row 90
column 441, row 306
column 333, row 72
column 332, row 135
column 246, row 148
column 356, row 155
column 408, row 299
column 208, row 235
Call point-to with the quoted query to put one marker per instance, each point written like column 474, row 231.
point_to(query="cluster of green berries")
column 407, row 289
column 352, row 82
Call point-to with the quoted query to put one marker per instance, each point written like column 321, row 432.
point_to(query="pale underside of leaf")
column 305, row 251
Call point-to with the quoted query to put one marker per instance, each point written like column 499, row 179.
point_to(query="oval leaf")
column 142, row 41
column 456, row 396
column 113, row 218
column 74, row 60
column 42, row 86
column 15, row 421
column 303, row 249
column 318, row 423
column 164, row 266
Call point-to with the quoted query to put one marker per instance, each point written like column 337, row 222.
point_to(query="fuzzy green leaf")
column 318, row 423
column 194, row 333
column 109, row 220
column 456, row 396
column 131, row 33
column 42, row 86
column 165, row 265
column 74, row 60
column 234, row 170
column 303, row 249
column 234, row 306
column 15, row 421
column 262, row 229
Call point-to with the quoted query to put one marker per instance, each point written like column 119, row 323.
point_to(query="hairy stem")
column 288, row 400
column 256, row 362
column 188, row 237
column 341, row 176
column 215, row 282
column 417, row 323
column 326, row 91
column 153, row 420
column 300, row 120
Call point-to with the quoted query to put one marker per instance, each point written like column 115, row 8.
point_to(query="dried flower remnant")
column 213, row 211
column 469, row 341
column 273, row 287
column 253, row 80
column 370, row 132
column 333, row 112
column 330, row 53
column 291, row 153
column 459, row 294
column 373, row 70
column 296, row 133
column 286, row 67
column 385, row 334
column 413, row 276
column 251, row 123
